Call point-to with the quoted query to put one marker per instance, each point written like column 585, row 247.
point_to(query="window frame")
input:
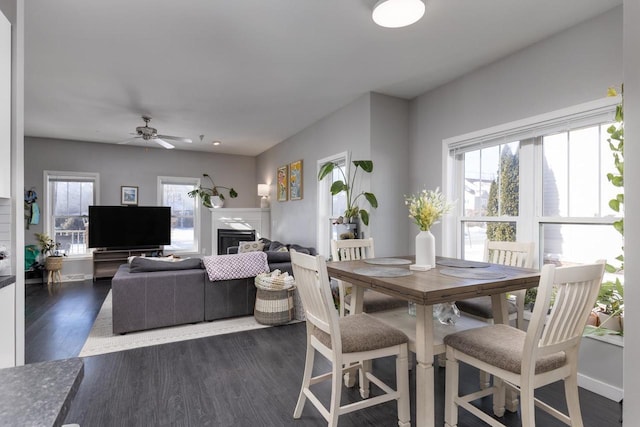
column 47, row 223
column 197, row 230
column 529, row 132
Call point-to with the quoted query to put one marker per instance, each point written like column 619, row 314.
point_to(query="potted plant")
column 347, row 185
column 212, row 197
column 49, row 249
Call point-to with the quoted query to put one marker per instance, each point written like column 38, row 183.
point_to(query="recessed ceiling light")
column 397, row 13
column 216, row 143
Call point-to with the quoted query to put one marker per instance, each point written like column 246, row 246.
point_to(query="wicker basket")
column 274, row 307
column 53, row 263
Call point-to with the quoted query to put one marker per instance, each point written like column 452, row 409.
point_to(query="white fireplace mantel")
column 257, row 219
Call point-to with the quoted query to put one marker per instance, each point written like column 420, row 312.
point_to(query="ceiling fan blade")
column 126, row 141
column 176, row 138
column 165, row 144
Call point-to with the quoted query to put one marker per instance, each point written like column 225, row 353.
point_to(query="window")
column 329, row 206
column 544, row 181
column 185, row 220
column 66, row 219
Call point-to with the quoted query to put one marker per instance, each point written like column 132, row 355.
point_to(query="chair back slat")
column 312, row 282
column 577, row 289
column 352, row 249
column 515, row 254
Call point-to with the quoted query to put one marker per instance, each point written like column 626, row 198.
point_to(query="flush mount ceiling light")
column 397, row 13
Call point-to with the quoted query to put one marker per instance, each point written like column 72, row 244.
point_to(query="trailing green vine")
column 611, row 296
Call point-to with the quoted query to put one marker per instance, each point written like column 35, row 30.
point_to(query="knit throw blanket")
column 235, row 266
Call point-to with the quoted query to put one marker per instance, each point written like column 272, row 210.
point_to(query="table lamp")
column 263, row 191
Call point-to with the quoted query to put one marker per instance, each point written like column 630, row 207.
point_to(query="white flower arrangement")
column 427, row 207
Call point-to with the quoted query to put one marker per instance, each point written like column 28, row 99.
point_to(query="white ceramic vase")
column 217, row 202
column 426, row 249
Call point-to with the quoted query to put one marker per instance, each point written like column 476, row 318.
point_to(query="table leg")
column 501, row 315
column 357, row 295
column 425, row 404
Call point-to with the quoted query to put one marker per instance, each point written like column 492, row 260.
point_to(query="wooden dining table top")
column 432, row 286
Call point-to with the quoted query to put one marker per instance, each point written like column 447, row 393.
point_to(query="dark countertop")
column 6, row 281
column 39, row 394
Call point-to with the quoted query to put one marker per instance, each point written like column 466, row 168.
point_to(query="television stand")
column 107, row 261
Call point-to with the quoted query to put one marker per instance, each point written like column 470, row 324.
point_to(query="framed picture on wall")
column 283, row 183
column 295, row 180
column 128, row 195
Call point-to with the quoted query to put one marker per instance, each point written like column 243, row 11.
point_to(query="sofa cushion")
column 244, row 247
column 276, row 256
column 302, row 249
column 142, row 265
column 275, row 246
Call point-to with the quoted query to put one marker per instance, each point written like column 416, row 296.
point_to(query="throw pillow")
column 283, row 249
column 244, row 247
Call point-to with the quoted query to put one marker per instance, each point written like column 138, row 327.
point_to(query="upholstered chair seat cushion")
column 361, row 332
column 500, row 346
column 481, row 307
column 377, row 301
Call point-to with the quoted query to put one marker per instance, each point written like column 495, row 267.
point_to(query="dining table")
column 449, row 280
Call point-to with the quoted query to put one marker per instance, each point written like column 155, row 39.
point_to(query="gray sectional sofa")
column 175, row 294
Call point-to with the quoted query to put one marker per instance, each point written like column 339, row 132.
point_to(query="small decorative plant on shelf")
column 347, row 185
column 212, row 197
column 609, row 310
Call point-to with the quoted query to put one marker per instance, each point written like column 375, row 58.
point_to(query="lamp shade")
column 397, row 13
column 263, row 190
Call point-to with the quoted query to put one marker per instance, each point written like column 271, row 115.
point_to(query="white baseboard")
column 603, row 389
column 79, row 277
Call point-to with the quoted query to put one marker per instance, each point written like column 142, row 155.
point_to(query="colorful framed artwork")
column 128, row 195
column 295, row 180
column 283, row 183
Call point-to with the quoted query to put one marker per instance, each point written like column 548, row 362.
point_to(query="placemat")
column 387, row 261
column 461, row 263
column 382, row 272
column 472, row 274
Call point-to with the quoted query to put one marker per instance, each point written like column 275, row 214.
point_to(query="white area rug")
column 102, row 340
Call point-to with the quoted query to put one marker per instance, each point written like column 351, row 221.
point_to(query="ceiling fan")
column 148, row 133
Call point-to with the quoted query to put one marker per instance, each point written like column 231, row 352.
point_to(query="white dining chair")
column 514, row 254
column 523, row 361
column 345, row 341
column 357, row 249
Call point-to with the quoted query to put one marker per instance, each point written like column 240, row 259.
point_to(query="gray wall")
column 390, row 180
column 572, row 67
column 128, row 165
column 345, row 129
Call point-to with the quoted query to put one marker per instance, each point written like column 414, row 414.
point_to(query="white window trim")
column 519, row 129
column 196, row 212
column 324, row 201
column 46, row 202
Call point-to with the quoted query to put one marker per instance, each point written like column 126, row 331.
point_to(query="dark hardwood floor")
column 244, row 379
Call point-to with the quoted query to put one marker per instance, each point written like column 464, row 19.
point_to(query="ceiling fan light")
column 397, row 13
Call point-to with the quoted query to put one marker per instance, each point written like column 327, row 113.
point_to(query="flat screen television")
column 129, row 226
